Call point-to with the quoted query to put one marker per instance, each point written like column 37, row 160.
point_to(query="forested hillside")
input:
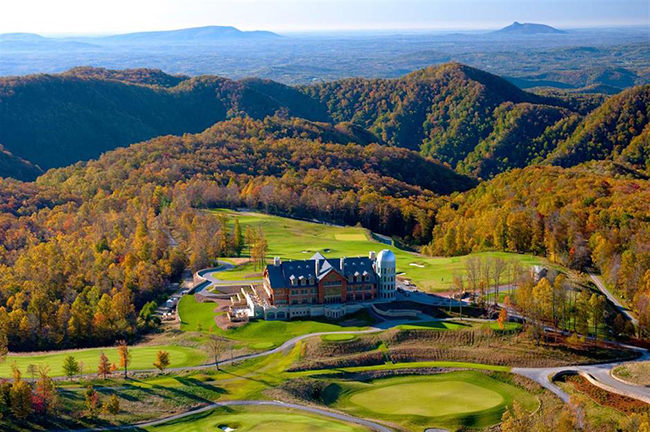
column 87, row 246
column 57, row 120
column 595, row 215
column 619, row 129
column 476, row 122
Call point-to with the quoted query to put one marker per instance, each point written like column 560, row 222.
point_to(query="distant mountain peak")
column 528, row 29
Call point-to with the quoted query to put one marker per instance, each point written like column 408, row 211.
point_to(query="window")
column 303, row 292
column 349, row 288
column 294, row 302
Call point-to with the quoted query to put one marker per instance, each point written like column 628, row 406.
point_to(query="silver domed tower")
column 385, row 267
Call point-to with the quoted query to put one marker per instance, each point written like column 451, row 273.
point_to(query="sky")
column 66, row 17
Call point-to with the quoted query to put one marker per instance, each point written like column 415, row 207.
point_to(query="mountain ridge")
column 517, row 28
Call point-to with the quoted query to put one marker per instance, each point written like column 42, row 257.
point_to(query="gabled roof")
column 280, row 276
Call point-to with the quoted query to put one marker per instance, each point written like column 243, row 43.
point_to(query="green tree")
column 597, row 307
column 70, row 366
column 238, row 238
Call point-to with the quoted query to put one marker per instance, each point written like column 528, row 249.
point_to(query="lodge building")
column 321, row 286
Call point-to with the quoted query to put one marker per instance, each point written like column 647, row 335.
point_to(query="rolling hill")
column 476, row 122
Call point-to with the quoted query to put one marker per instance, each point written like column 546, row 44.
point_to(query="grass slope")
column 293, row 239
column 142, row 358
column 261, row 334
column 258, row 419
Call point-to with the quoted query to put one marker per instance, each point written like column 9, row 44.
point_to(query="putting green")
column 428, row 399
column 450, row 400
column 258, row 419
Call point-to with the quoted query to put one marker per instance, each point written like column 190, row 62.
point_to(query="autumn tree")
column 162, row 360
column 112, row 406
column 259, row 250
column 125, row 356
column 92, row 401
column 45, row 391
column 503, row 318
column 21, row 400
column 104, row 367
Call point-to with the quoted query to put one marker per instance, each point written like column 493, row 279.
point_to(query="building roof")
column 280, row 276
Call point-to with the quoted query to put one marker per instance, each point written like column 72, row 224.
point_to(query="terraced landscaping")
column 258, row 419
column 448, row 400
column 294, row 239
column 142, row 358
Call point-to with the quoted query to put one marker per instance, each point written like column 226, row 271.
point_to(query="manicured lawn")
column 261, row 334
column 241, row 272
column 276, row 333
column 142, row 358
column 258, row 419
column 293, row 239
column 465, row 398
column 195, row 315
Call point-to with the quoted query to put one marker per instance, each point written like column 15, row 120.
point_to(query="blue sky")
column 115, row 16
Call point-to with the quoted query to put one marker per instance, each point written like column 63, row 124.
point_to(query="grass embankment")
column 293, row 239
column 635, row 373
column 142, row 358
column 262, row 334
column 258, row 419
column 451, row 400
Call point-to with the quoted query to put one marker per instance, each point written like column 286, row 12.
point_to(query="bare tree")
column 216, row 346
column 498, row 267
column 472, row 270
column 459, row 285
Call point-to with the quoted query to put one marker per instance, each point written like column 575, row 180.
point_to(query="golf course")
column 464, row 398
column 142, row 358
column 258, row 419
column 295, row 239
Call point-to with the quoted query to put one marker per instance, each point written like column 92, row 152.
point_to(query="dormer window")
column 293, row 280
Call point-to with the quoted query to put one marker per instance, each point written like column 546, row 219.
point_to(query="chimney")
column 372, row 256
column 277, row 261
column 342, row 263
column 317, row 267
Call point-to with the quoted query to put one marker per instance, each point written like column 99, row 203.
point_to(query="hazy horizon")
column 78, row 17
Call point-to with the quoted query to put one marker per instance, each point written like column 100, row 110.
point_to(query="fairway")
column 428, row 399
column 258, row 419
column 294, row 239
column 453, row 399
column 142, row 358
